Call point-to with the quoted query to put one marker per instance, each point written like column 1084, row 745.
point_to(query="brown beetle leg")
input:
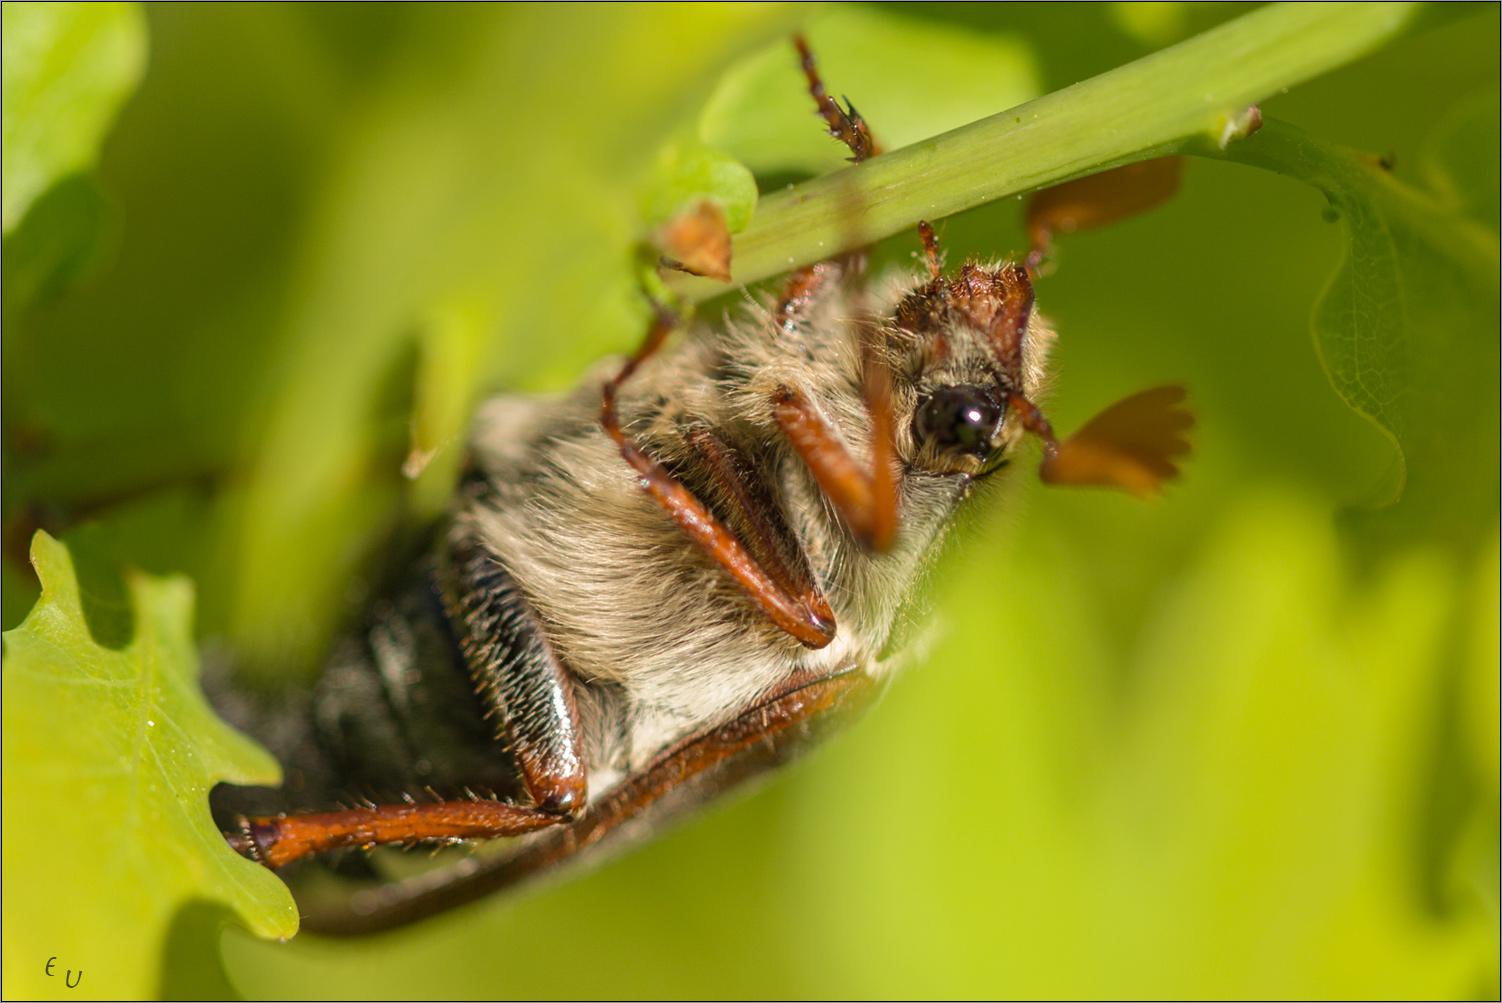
column 280, row 840
column 866, row 501
column 525, row 688
column 930, row 249
column 771, row 545
column 845, row 124
column 1033, row 421
column 796, row 292
column 776, row 730
column 811, row 625
column 1098, row 199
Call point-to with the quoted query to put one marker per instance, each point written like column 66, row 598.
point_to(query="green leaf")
column 1460, row 160
column 67, row 68
column 110, row 751
column 56, row 244
column 688, row 171
column 451, row 342
column 1407, row 326
column 1474, row 868
column 1480, row 680
column 1151, row 23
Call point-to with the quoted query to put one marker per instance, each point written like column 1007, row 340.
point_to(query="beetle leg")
column 796, row 292
column 866, row 500
column 523, row 685
column 1033, row 421
column 516, row 673
column 775, row 731
column 765, row 533
column 931, row 249
column 1098, row 199
column 280, row 840
column 845, row 124
column 808, row 619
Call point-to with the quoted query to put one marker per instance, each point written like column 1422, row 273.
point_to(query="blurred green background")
column 1238, row 742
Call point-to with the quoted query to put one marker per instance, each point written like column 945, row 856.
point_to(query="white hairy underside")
column 626, row 598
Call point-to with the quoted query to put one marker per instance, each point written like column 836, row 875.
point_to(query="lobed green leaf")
column 110, row 751
column 1406, row 327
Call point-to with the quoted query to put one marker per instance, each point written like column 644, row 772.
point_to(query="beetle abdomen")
column 395, row 714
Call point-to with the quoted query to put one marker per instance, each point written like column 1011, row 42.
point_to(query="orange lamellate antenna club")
column 1097, row 200
column 1130, row 445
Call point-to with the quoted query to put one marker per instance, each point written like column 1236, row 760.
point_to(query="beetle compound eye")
column 958, row 419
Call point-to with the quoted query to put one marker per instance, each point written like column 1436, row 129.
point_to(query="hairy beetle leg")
column 845, row 124
column 808, row 619
column 777, row 553
column 527, row 691
column 866, row 500
column 777, row 729
column 280, row 840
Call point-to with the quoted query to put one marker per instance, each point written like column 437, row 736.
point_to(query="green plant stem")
column 1131, row 113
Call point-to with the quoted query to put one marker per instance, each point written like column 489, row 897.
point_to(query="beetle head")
column 966, row 337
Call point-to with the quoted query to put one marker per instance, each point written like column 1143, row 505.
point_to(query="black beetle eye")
column 958, row 419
